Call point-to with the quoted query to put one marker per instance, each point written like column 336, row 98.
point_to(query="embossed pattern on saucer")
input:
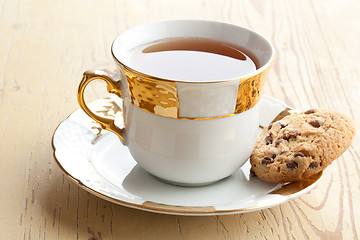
column 97, row 161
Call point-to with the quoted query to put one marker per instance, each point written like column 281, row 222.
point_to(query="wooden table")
column 45, row 47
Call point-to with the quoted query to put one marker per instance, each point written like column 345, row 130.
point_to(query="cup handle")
column 112, row 87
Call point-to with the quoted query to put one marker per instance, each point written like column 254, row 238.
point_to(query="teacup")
column 183, row 131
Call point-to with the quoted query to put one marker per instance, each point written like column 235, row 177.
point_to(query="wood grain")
column 45, row 47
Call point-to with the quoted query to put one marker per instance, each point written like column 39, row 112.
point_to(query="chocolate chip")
column 277, row 142
column 282, row 125
column 314, row 165
column 273, row 156
column 291, row 165
column 270, row 126
column 310, row 111
column 299, row 154
column 268, row 140
column 315, row 123
column 291, row 134
column 266, row 161
column 253, row 173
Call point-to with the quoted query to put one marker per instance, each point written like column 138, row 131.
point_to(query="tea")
column 192, row 59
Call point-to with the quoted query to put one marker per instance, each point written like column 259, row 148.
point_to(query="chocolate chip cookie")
column 301, row 145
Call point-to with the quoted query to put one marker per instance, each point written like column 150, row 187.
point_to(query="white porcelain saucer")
column 97, row 161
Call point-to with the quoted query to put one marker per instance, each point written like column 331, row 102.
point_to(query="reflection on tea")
column 192, row 59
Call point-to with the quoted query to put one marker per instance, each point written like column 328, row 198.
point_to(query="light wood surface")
column 45, row 47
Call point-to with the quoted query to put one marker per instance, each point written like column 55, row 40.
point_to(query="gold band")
column 250, row 91
column 152, row 95
column 160, row 97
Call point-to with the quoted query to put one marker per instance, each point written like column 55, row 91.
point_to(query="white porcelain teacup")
column 186, row 132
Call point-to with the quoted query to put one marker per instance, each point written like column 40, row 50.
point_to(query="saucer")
column 96, row 160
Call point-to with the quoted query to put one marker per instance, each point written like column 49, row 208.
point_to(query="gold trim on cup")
column 250, row 91
column 153, row 95
column 160, row 97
